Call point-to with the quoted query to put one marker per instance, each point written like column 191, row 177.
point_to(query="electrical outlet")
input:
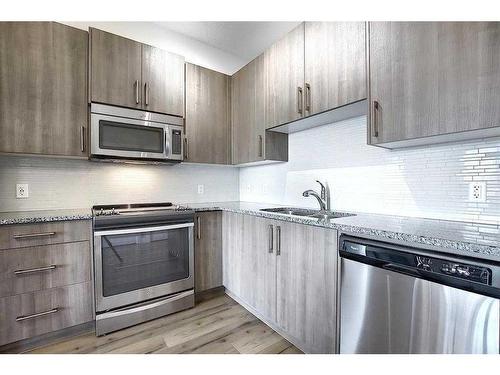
column 201, row 189
column 22, row 191
column 477, row 191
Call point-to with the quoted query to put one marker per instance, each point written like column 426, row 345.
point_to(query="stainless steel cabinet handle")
column 375, row 122
column 33, row 270
column 198, row 227
column 26, row 317
column 136, row 91
column 278, row 240
column 186, row 151
column 261, row 146
column 299, row 100
column 146, row 94
column 271, row 238
column 33, row 235
column 308, row 97
column 82, row 138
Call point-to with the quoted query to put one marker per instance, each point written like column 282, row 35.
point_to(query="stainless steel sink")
column 316, row 214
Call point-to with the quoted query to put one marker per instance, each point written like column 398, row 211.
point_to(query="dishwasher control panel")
column 460, row 270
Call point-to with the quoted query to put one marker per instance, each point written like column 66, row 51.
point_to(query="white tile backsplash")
column 66, row 183
column 431, row 181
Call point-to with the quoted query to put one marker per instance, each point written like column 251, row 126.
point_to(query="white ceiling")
column 246, row 40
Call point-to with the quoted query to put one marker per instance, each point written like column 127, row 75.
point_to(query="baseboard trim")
column 22, row 346
column 209, row 294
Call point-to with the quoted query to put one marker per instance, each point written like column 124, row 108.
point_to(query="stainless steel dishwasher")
column 397, row 299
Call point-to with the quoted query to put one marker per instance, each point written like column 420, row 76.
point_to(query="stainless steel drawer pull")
column 32, row 316
column 271, row 239
column 278, row 240
column 146, row 94
column 261, row 146
column 82, row 139
column 186, row 151
column 375, row 122
column 198, row 229
column 308, row 97
column 33, row 270
column 33, row 235
column 299, row 100
column 136, row 84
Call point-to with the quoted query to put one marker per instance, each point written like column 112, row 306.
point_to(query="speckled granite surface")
column 473, row 239
column 29, row 217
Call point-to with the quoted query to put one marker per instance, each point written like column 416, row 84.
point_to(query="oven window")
column 128, row 137
column 140, row 260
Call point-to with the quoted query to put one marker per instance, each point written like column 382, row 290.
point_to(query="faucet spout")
column 309, row 193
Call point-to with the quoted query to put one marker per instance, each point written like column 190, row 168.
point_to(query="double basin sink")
column 305, row 212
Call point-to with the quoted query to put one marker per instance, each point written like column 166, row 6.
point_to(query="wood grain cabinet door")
column 306, row 286
column 284, row 79
column 43, row 88
column 115, row 70
column 335, row 65
column 208, row 250
column 432, row 78
column 247, row 132
column 162, row 81
column 208, row 109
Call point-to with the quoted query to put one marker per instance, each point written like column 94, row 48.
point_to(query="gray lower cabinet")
column 433, row 82
column 45, row 278
column 306, row 286
column 335, row 65
column 43, row 89
column 208, row 250
column 287, row 274
column 208, row 116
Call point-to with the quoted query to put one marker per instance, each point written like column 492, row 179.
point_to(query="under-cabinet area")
column 250, row 187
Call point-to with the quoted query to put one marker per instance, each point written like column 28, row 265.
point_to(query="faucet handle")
column 323, row 190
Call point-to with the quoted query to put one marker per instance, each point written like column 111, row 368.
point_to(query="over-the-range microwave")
column 122, row 134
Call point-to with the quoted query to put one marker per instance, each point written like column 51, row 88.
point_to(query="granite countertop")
column 461, row 238
column 41, row 216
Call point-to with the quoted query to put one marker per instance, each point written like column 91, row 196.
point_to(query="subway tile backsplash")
column 66, row 183
column 429, row 181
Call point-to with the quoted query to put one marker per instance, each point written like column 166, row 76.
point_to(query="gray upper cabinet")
column 284, row 79
column 208, row 127
column 43, row 88
column 134, row 75
column 162, row 81
column 115, row 70
column 250, row 140
column 335, row 65
column 433, row 82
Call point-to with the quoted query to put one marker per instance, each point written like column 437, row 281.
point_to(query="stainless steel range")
column 143, row 258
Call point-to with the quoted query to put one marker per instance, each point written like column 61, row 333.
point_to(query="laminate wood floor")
column 218, row 325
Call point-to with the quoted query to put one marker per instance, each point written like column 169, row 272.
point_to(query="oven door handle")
column 141, row 229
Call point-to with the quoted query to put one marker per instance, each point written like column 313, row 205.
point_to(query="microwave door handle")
column 167, row 144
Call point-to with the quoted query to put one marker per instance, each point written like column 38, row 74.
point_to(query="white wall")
column 431, row 181
column 193, row 50
column 66, row 183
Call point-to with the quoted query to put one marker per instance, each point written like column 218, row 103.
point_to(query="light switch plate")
column 22, row 191
column 201, row 189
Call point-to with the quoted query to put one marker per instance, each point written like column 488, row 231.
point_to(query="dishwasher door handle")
column 402, row 269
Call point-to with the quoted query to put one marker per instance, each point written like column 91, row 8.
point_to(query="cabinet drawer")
column 35, row 268
column 31, row 314
column 24, row 235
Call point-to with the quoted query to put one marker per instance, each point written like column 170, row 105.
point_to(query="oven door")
column 138, row 264
column 118, row 137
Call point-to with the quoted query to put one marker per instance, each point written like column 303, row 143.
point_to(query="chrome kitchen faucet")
column 323, row 198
